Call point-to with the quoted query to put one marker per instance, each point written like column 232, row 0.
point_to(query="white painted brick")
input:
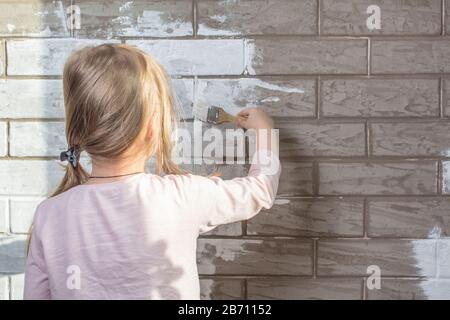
column 197, row 57
column 12, row 254
column 39, row 98
column 3, row 139
column 34, row 18
column 37, row 138
column 139, row 18
column 29, row 177
column 281, row 98
column 22, row 211
column 17, row 285
column 4, row 214
column 4, row 287
column 31, row 98
column 43, row 56
column 2, row 58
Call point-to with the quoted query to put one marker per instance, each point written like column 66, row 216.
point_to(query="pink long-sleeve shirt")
column 135, row 238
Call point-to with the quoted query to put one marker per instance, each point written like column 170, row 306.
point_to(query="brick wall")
column 365, row 147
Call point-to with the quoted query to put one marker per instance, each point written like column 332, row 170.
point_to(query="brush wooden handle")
column 228, row 118
column 223, row 116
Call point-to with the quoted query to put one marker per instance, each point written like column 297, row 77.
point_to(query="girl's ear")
column 149, row 130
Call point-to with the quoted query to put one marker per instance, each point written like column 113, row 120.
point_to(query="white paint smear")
column 127, row 5
column 10, row 27
column 436, row 287
column 282, row 201
column 271, row 99
column 153, row 19
column 276, row 87
column 250, row 56
column 205, row 30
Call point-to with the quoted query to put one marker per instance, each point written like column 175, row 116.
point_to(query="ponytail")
column 73, row 176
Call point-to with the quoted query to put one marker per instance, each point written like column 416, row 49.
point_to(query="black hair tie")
column 71, row 155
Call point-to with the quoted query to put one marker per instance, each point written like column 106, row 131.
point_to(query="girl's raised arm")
column 225, row 201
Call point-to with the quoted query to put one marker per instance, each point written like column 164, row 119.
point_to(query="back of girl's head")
column 111, row 94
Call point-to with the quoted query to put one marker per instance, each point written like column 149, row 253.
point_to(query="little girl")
column 118, row 232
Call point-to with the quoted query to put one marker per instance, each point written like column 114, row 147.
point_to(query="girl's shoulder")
column 188, row 178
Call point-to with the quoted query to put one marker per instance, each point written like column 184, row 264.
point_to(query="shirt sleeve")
column 36, row 276
column 226, row 201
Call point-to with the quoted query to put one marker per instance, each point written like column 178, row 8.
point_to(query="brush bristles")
column 213, row 114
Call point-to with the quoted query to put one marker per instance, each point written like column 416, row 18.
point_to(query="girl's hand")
column 254, row 118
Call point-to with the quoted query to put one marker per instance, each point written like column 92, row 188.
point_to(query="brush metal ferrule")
column 213, row 115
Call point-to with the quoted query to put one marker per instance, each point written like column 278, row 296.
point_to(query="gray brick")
column 411, row 56
column 196, row 57
column 12, row 254
column 256, row 17
column 410, row 139
column 310, row 217
column 254, row 257
column 296, row 179
column 304, row 288
column 221, row 289
column 293, row 56
column 46, row 175
column 34, row 18
column 230, row 229
column 427, row 217
column 120, row 18
column 447, row 15
column 418, row 177
column 393, row 257
column 43, row 56
column 411, row 289
column 342, row 17
column 380, row 98
column 315, row 139
column 279, row 97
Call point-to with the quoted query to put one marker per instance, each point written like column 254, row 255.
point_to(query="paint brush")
column 217, row 115
column 212, row 114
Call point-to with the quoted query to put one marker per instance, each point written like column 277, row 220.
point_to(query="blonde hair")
column 111, row 92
